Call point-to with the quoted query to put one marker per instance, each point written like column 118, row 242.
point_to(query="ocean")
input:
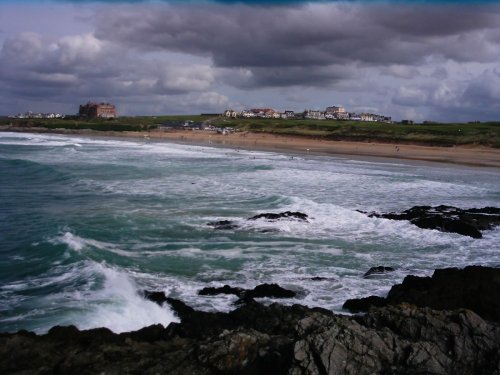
column 87, row 223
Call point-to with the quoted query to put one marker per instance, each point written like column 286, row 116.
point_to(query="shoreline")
column 466, row 155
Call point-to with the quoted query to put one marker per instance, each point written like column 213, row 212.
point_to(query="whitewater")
column 86, row 224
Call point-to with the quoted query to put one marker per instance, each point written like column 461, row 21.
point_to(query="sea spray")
column 120, row 307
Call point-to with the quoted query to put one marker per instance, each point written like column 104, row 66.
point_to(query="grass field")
column 440, row 134
column 437, row 134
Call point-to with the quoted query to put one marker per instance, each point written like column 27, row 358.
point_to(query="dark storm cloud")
column 397, row 58
column 312, row 35
column 82, row 67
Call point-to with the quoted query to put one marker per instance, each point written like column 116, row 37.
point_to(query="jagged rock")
column 321, row 278
column 363, row 304
column 378, row 270
column 276, row 339
column 397, row 340
column 282, row 215
column 467, row 222
column 223, row 225
column 229, row 225
column 269, row 290
column 474, row 287
column 226, row 289
column 260, row 291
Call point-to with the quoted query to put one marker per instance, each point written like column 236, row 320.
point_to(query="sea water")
column 86, row 224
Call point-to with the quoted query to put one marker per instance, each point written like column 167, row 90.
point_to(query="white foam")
column 77, row 243
column 119, row 307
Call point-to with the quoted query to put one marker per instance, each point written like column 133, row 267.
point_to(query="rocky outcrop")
column 474, row 287
column 269, row 216
column 257, row 339
column 467, row 222
column 377, row 271
column 260, row 291
column 282, row 215
column 223, row 225
column 274, row 339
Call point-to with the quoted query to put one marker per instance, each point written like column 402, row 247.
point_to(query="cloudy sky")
column 423, row 60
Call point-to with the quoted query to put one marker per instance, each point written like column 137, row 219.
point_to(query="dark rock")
column 260, row 291
column 155, row 296
column 378, row 270
column 276, row 339
column 467, row 222
column 223, row 225
column 363, row 304
column 271, row 291
column 226, row 289
column 321, row 278
column 474, row 287
column 257, row 339
column 229, row 225
column 282, row 215
column 397, row 340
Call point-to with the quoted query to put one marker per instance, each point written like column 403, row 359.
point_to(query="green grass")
column 135, row 123
column 442, row 134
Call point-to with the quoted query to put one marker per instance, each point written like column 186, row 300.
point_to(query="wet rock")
column 321, row 278
column 260, row 291
column 378, row 270
column 476, row 288
column 226, row 289
column 271, row 291
column 276, row 339
column 467, row 222
column 223, row 225
column 282, row 215
column 363, row 304
column 401, row 339
column 289, row 215
column 155, row 296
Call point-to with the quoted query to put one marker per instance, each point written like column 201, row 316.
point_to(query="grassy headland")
column 435, row 134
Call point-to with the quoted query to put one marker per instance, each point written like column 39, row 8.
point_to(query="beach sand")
column 464, row 155
column 471, row 155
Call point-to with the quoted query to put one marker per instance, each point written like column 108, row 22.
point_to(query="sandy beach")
column 471, row 155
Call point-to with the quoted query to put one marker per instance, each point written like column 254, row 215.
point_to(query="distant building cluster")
column 330, row 113
column 97, row 110
column 30, row 114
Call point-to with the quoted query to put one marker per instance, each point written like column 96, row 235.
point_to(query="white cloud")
column 184, row 79
column 212, row 100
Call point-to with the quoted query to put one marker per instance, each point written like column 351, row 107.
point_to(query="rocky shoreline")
column 446, row 324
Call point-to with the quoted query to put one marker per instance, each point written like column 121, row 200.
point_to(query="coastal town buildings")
column 330, row 113
column 97, row 110
column 30, row 114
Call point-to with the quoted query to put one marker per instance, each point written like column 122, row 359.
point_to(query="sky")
column 419, row 60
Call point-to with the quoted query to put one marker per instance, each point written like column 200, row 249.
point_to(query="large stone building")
column 97, row 110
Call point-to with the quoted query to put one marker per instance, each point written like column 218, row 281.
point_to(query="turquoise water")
column 87, row 223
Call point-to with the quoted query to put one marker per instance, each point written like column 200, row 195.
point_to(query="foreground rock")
column 475, row 288
column 274, row 339
column 257, row 339
column 469, row 222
